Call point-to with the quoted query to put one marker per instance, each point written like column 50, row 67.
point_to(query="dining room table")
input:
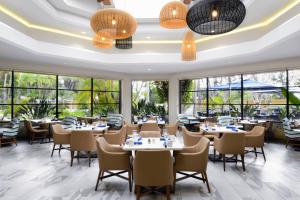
column 95, row 129
column 169, row 143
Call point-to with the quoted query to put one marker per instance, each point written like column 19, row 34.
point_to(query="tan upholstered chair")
column 118, row 137
column 82, row 141
column 33, row 133
column 148, row 174
column 150, row 130
column 112, row 158
column 230, row 143
column 190, row 138
column 149, row 134
column 60, row 137
column 192, row 159
column 172, row 128
column 130, row 128
column 255, row 139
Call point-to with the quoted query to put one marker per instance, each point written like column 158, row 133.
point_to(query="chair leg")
column 129, row 180
column 255, row 152
column 243, row 161
column 53, row 149
column 138, row 192
column 99, row 174
column 263, row 152
column 203, row 177
column 174, row 181
column 236, row 159
column 214, row 154
column 224, row 161
column 60, row 146
column 72, row 157
column 286, row 142
column 168, row 192
column 206, row 180
column 89, row 156
column 102, row 173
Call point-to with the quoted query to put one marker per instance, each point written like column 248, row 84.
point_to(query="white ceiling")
column 73, row 16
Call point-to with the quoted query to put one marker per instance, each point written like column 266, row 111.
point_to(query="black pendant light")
column 212, row 17
column 124, row 43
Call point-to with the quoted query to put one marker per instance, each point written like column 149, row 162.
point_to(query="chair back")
column 286, row 125
column 147, row 171
column 189, row 138
column 130, row 128
column 82, row 141
column 12, row 132
column 172, row 128
column 150, row 127
column 69, row 120
column 60, row 135
column 232, row 143
column 150, row 134
column 28, row 125
column 257, row 131
column 115, row 120
column 202, row 150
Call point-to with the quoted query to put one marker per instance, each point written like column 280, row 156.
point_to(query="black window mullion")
column 12, row 94
column 242, row 96
column 92, row 97
column 56, row 102
column 207, row 97
column 288, row 95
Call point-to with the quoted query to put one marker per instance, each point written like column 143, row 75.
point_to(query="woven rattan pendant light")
column 119, row 24
column 173, row 15
column 102, row 40
column 189, row 47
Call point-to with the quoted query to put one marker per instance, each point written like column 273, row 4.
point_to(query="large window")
column 261, row 95
column 74, row 96
column 107, row 97
column 294, row 93
column 5, row 95
column 193, row 96
column 34, row 96
column 150, row 98
column 224, row 95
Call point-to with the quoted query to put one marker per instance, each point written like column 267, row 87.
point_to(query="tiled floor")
column 28, row 172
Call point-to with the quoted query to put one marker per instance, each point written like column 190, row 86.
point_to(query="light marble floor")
column 28, row 172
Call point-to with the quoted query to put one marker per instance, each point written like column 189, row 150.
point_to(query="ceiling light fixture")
column 117, row 23
column 124, row 43
column 189, row 47
column 173, row 15
column 102, row 40
column 219, row 15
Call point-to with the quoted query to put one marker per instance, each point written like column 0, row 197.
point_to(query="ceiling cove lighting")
column 189, row 47
column 124, row 43
column 102, row 40
column 119, row 24
column 212, row 17
column 173, row 15
column 258, row 25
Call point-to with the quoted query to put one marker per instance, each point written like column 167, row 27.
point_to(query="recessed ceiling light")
column 149, row 69
column 148, row 37
column 83, row 32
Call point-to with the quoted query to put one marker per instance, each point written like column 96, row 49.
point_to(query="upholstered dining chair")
column 131, row 127
column 230, row 143
column 192, row 159
column 113, row 158
column 10, row 135
column 190, row 138
column 150, row 130
column 60, row 137
column 150, row 134
column 34, row 133
column 255, row 139
column 172, row 128
column 118, row 137
column 82, row 141
column 150, row 175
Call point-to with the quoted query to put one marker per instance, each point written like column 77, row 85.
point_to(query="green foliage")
column 249, row 110
column 186, row 85
column 292, row 98
column 142, row 108
column 162, row 90
column 234, row 110
column 42, row 110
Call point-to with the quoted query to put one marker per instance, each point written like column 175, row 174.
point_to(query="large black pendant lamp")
column 124, row 43
column 212, row 17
